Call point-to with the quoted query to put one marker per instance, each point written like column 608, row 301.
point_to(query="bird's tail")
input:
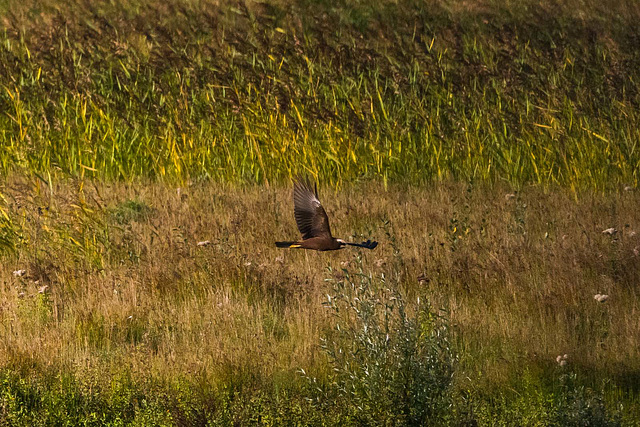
column 368, row 244
column 287, row 245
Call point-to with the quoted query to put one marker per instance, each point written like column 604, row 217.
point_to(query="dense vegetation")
column 490, row 147
column 527, row 92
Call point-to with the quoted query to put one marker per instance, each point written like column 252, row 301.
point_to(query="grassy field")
column 120, row 307
column 146, row 151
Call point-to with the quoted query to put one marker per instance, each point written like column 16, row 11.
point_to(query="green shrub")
column 391, row 361
column 577, row 405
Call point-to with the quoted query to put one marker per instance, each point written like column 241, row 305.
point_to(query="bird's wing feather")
column 311, row 217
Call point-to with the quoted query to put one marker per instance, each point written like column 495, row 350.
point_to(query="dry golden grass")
column 128, row 287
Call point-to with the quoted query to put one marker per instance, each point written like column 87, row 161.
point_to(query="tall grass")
column 400, row 91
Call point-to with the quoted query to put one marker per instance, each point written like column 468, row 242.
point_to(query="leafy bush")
column 577, row 405
column 391, row 362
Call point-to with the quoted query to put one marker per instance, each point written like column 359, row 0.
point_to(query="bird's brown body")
column 319, row 244
column 313, row 223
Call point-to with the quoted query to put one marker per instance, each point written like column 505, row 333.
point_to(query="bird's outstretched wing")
column 311, row 217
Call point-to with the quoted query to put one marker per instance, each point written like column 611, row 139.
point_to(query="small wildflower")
column 247, row 264
column 562, row 359
column 509, row 196
column 610, row 231
column 19, row 273
column 43, row 289
column 632, row 233
column 601, row 298
column 280, row 259
column 345, row 264
column 204, row 243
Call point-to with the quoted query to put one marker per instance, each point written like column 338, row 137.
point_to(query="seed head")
column 562, row 359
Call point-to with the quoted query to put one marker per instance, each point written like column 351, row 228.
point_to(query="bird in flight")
column 313, row 222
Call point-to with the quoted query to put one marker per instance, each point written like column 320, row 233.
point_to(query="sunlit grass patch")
column 398, row 92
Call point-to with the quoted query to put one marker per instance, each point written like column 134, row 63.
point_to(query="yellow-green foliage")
column 538, row 92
